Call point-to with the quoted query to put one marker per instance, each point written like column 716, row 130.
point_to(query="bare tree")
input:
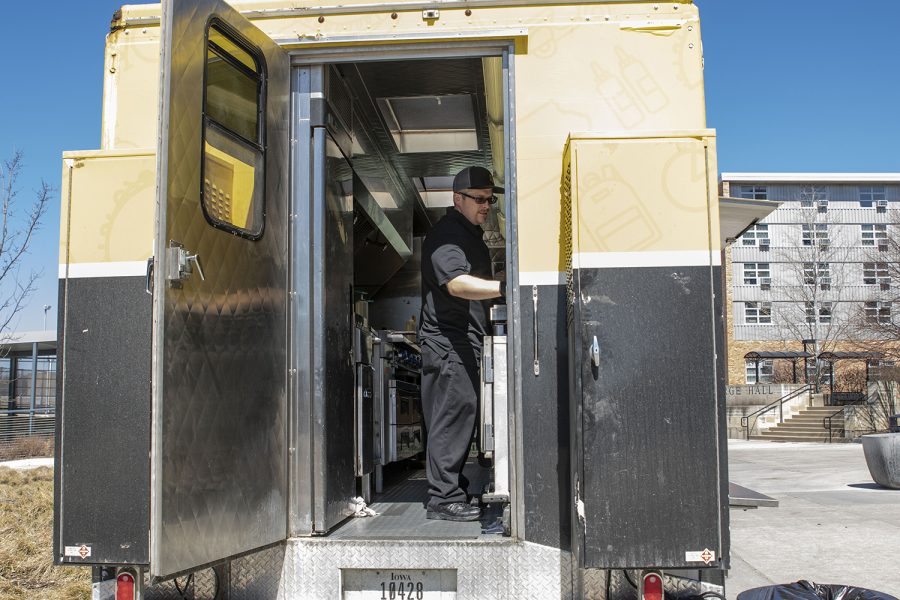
column 882, row 401
column 813, row 279
column 876, row 322
column 18, row 224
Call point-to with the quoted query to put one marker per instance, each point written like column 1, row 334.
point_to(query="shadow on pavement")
column 869, row 486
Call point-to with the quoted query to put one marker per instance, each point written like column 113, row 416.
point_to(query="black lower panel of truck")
column 102, row 508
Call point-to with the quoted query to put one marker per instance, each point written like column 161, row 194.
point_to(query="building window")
column 825, row 309
column 869, row 195
column 752, row 236
column 44, row 380
column 811, row 195
column 5, row 378
column 753, row 192
column 766, row 371
column 878, row 312
column 871, row 233
column 814, row 233
column 757, row 313
column 233, row 167
column 875, row 273
column 753, row 272
column 814, row 273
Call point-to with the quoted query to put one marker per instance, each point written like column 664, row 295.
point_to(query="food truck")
column 240, row 287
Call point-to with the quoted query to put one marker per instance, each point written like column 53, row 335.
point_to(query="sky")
column 791, row 85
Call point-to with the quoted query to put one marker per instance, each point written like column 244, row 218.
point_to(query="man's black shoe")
column 455, row 511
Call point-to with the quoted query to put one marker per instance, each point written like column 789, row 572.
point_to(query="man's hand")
column 470, row 287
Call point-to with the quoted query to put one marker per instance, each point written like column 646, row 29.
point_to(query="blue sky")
column 791, row 86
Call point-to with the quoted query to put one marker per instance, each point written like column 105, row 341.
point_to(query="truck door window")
column 233, row 171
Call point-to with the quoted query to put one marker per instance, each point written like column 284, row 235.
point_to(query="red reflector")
column 653, row 587
column 125, row 586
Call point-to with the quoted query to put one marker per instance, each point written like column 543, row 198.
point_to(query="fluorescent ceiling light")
column 436, row 192
column 437, row 198
column 431, row 123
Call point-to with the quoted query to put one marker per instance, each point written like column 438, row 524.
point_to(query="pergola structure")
column 791, row 356
column 833, row 357
column 829, row 357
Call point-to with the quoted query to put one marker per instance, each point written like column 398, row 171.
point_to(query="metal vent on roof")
column 431, row 123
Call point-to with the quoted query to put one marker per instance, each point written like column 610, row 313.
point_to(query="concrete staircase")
column 805, row 427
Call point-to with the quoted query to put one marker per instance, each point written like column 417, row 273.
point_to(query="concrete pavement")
column 833, row 523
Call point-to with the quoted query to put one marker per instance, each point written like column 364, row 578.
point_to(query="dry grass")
column 26, row 552
column 27, row 447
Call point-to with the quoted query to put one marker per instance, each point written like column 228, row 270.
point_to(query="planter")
column 883, row 458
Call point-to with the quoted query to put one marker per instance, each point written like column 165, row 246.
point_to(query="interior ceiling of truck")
column 419, row 106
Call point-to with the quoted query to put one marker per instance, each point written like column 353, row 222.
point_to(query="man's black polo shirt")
column 451, row 326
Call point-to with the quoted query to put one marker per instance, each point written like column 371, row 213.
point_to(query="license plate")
column 399, row 584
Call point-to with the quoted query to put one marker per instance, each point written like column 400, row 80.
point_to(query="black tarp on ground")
column 806, row 590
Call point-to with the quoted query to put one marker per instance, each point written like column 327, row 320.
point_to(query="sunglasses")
column 478, row 200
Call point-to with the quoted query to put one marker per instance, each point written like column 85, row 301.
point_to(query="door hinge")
column 488, row 369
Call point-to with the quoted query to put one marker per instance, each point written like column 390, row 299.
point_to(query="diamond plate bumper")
column 311, row 569
column 485, row 569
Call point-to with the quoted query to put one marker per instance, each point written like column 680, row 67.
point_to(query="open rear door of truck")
column 219, row 439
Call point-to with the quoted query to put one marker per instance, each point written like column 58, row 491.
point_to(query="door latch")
column 149, row 282
column 534, row 318
column 181, row 264
column 595, row 352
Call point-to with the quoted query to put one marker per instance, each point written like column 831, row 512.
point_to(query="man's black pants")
column 449, row 404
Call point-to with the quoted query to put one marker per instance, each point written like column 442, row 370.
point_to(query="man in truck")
column 457, row 291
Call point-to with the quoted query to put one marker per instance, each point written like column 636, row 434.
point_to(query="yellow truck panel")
column 108, row 207
column 643, row 74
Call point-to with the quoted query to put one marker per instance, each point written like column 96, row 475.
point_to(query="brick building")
column 810, row 269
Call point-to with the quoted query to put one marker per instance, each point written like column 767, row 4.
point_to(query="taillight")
column 125, row 586
column 652, row 588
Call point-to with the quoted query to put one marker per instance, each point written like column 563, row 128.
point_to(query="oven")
column 398, row 403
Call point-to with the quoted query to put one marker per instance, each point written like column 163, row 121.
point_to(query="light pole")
column 46, row 308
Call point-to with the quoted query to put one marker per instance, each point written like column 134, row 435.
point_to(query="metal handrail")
column 745, row 420
column 20, row 425
column 826, row 421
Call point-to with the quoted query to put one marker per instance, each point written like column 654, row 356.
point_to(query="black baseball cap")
column 475, row 178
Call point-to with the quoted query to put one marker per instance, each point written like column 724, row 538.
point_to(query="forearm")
column 470, row 287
